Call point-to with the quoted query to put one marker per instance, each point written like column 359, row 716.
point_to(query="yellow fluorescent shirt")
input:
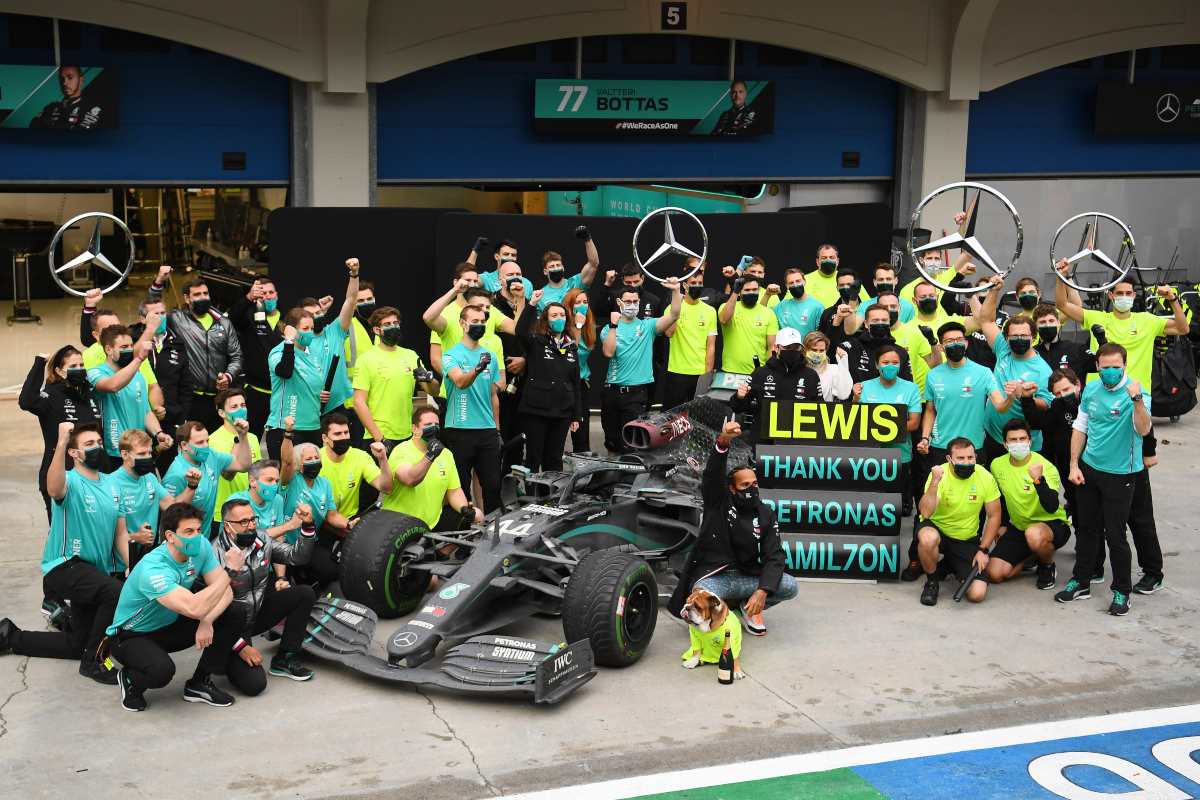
column 425, row 500
column 387, row 378
column 689, row 343
column 960, row 501
column 222, row 440
column 347, row 476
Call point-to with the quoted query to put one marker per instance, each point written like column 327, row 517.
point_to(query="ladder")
column 177, row 228
column 142, row 211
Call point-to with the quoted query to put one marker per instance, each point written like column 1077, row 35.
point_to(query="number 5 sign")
column 674, row 16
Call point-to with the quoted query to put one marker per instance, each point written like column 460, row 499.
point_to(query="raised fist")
column 192, row 475
column 144, row 535
column 738, row 284
column 1035, row 470
column 537, row 297
column 378, row 450
column 325, row 303
column 1062, row 266
column 609, row 277
column 92, row 298
column 241, row 426
column 582, row 233
column 65, row 429
column 485, row 361
column 614, row 318
column 772, row 288
column 352, row 266
column 235, row 559
column 937, row 472
column 728, row 271
column 480, row 243
column 303, row 513
column 164, row 275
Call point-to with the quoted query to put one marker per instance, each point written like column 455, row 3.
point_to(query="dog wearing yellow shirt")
column 708, row 618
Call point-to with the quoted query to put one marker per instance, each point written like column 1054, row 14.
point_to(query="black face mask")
column 1070, row 401
column 884, row 287
column 245, row 539
column 93, row 457
column 750, row 299
column 430, row 432
column 124, row 357
column 848, row 293
column 143, row 465
column 1048, row 333
column 956, row 352
column 1028, row 301
column 828, row 266
column 878, row 330
column 201, row 307
column 791, row 359
column 391, row 335
column 927, row 305
column 340, row 446
column 964, row 471
column 311, row 469
column 695, row 292
column 893, row 317
column 556, row 275
column 796, row 291
column 77, row 377
column 476, row 330
column 746, row 500
column 1019, row 345
column 365, row 309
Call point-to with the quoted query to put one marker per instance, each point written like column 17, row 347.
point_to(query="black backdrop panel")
column 861, row 231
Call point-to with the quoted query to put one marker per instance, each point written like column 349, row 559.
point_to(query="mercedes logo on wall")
column 671, row 244
column 92, row 254
column 1167, row 108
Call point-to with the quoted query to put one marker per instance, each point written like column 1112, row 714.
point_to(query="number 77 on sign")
column 568, row 89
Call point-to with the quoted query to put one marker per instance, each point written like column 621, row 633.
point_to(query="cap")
column 788, row 337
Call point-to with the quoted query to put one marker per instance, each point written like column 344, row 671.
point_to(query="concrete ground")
column 844, row 664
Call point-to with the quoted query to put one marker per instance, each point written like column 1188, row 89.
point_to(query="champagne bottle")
column 725, row 664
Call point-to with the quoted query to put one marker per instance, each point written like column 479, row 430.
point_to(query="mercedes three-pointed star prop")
column 1089, row 251
column 92, row 254
column 670, row 244
column 964, row 238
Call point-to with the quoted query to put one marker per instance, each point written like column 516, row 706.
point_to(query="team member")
column 557, row 284
column 255, row 317
column 798, row 311
column 214, row 352
column 247, row 556
column 747, row 328
column 833, row 377
column 604, row 303
column 1056, row 423
column 121, row 389
column 822, row 282
column 443, row 317
column 231, row 406
column 1062, row 353
column 585, row 342
column 1106, row 457
column 87, row 531
column 159, row 614
column 862, row 348
column 56, row 390
column 784, row 378
column 890, row 387
column 1135, row 331
column 885, row 283
column 955, row 494
column 739, row 118
column 738, row 555
column 92, row 321
column 384, row 381
column 693, row 345
column 504, row 252
column 166, row 365
column 348, row 469
column 551, row 404
column 841, row 319
column 768, row 293
column 426, row 477
column 266, row 479
column 1034, row 524
column 142, row 495
column 195, row 453
column 300, row 367
column 359, row 342
column 628, row 344
column 313, row 491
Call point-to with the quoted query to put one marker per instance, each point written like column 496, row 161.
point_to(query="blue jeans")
column 736, row 587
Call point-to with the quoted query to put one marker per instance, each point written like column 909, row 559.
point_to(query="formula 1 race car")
column 590, row 543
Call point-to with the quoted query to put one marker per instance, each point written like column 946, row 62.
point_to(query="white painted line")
column 866, row 754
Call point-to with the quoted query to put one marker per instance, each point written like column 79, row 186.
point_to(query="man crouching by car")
column 738, row 556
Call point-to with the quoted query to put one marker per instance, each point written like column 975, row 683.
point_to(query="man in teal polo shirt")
column 798, row 310
column 270, row 509
column 557, row 282
column 195, row 453
column 122, row 391
column 142, row 494
column 885, row 283
column 472, row 427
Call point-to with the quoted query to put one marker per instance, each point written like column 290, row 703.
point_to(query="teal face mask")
column 304, row 338
column 192, row 546
column 558, row 325
column 201, row 454
column 236, row 414
column 1111, row 376
column 268, row 491
column 162, row 326
column 581, row 310
column 889, row 371
column 270, row 304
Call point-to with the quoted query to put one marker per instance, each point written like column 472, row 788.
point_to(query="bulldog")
column 708, row 618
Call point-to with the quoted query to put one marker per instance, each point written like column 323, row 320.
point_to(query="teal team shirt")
column 633, row 362
column 156, row 575
column 908, row 311
column 585, row 370
column 140, row 496
column 469, row 408
column 83, row 524
column 205, row 498
column 1010, row 368
column 300, row 395
column 319, row 497
column 121, row 410
column 1106, row 416
column 269, row 515
column 551, row 294
column 901, row 393
column 803, row 314
column 491, row 282
column 960, row 398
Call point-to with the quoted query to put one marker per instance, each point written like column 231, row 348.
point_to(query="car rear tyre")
column 611, row 600
column 372, row 568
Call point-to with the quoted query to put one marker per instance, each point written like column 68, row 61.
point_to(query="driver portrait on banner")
column 739, row 118
column 74, row 111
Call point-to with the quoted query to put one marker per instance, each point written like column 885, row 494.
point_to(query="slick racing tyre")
column 373, row 571
column 612, row 600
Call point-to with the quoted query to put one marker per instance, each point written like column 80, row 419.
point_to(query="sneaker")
column 1047, row 575
column 58, row 614
column 1029, row 566
column 1147, row 585
column 912, row 571
column 203, row 691
column 287, row 665
column 1074, row 590
column 929, row 594
column 1098, row 576
column 8, row 629
column 753, row 624
column 1120, row 604
column 131, row 699
column 88, row 668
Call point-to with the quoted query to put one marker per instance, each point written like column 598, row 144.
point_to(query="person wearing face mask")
column 885, row 283
column 692, row 348
column 650, row 306
column 747, row 328
column 738, row 555
column 1034, row 524
column 443, row 316
column 122, row 393
column 628, row 343
column 504, row 252
column 1062, row 353
column 267, row 477
column 822, row 282
column 231, row 406
column 87, row 536
column 351, row 472
column 840, row 320
column 255, row 317
column 890, row 387
column 1106, row 462
column 196, row 454
column 142, row 494
column 159, row 614
column 957, row 493
column 385, row 379
column 56, row 390
column 768, row 293
column 798, row 310
column 1054, row 423
column 552, row 402
column 833, row 377
column 557, row 282
column 359, row 342
column 214, row 352
column 311, row 488
column 936, row 267
column 247, row 554
column 862, row 348
column 585, row 330
column 786, row 378
column 167, row 360
column 426, row 479
column 92, row 322
column 301, row 385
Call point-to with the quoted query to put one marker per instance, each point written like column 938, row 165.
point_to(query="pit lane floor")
column 844, row 665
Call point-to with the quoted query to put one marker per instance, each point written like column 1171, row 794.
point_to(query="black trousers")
column 258, row 408
column 476, row 450
column 510, row 426
column 146, row 656
column 293, row 604
column 93, row 595
column 203, row 408
column 678, row 389
column 273, row 440
column 581, row 440
column 919, row 471
column 545, row 440
column 621, row 404
column 1105, row 508
column 324, row 566
column 1143, row 528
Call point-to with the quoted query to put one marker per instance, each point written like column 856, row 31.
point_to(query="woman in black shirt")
column 551, row 404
